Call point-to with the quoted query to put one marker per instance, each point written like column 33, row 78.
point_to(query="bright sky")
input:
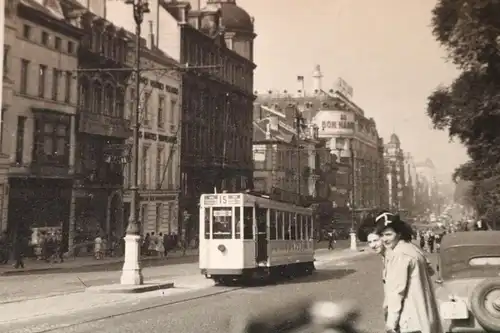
column 384, row 49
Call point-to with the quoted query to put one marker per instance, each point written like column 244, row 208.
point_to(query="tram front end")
column 223, row 250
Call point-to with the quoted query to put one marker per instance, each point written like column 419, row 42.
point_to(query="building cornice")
column 47, row 20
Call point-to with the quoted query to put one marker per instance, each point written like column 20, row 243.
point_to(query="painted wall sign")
column 158, row 85
column 334, row 122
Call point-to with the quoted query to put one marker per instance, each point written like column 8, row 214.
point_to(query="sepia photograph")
column 250, row 166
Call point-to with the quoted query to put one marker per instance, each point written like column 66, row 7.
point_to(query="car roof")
column 471, row 238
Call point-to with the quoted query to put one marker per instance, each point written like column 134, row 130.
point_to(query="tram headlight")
column 221, row 248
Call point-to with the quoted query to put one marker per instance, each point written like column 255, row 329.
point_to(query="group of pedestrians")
column 159, row 245
column 410, row 304
column 430, row 241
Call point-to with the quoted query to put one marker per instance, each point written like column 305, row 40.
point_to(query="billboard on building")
column 333, row 123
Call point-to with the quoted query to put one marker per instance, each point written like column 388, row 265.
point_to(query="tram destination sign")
column 222, row 199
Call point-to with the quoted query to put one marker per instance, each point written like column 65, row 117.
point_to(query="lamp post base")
column 131, row 272
column 354, row 241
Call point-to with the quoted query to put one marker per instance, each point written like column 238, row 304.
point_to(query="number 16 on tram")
column 247, row 236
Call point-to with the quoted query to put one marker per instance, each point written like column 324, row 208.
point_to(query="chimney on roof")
column 317, row 78
column 274, row 123
column 151, row 37
column 268, row 131
column 97, row 7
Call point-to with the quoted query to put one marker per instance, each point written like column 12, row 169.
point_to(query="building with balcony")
column 345, row 129
column 159, row 142
column 104, row 61
column 215, row 45
column 8, row 34
column 39, row 120
column 217, row 99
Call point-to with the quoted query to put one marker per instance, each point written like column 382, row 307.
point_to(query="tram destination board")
column 221, row 199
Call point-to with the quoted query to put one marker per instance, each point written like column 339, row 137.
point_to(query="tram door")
column 261, row 234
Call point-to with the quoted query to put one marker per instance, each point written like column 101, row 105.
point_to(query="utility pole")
column 131, row 272
column 353, row 235
column 299, row 125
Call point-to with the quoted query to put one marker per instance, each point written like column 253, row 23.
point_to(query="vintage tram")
column 247, row 236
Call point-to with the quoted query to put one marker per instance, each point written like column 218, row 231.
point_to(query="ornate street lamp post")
column 131, row 273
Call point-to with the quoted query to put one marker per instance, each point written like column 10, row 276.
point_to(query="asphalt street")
column 213, row 309
column 19, row 288
column 32, row 286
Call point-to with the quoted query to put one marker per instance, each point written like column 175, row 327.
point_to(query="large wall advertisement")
column 332, row 123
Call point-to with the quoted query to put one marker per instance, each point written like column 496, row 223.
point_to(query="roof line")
column 282, row 115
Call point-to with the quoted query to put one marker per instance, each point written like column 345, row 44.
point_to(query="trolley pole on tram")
column 132, row 272
column 354, row 245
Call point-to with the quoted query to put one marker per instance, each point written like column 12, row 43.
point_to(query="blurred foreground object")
column 314, row 317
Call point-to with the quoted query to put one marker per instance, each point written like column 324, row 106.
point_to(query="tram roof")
column 244, row 199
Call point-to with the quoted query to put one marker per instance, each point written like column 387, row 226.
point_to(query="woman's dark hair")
column 386, row 220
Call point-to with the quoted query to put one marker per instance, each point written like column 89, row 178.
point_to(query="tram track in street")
column 107, row 316
column 72, row 320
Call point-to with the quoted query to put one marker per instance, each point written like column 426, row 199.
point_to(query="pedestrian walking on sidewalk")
column 98, row 255
column 18, row 251
column 160, row 248
column 409, row 292
column 331, row 240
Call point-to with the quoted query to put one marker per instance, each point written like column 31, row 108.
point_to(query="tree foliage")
column 469, row 108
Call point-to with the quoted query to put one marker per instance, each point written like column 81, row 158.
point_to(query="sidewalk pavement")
column 74, row 304
column 88, row 263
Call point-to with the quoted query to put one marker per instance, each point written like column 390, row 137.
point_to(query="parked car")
column 468, row 285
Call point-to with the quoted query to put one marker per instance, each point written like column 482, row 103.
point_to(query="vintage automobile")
column 468, row 284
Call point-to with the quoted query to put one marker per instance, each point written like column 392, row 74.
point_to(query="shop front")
column 98, row 211
column 39, row 206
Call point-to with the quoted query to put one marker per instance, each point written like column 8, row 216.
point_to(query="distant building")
column 428, row 188
column 345, row 128
column 395, row 173
column 284, row 164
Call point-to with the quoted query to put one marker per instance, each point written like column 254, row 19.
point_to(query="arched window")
column 109, row 96
column 96, row 40
column 110, row 47
column 120, row 102
column 84, row 95
column 97, row 97
column 114, row 51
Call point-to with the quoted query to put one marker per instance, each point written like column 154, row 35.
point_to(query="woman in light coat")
column 409, row 292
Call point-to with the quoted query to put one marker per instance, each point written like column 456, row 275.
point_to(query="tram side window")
column 311, row 227
column 306, row 227
column 293, row 227
column 222, row 223
column 237, row 222
column 248, row 223
column 299, row 227
column 286, row 220
column 261, row 219
column 272, row 224
column 207, row 223
column 279, row 225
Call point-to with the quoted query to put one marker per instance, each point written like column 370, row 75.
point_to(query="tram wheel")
column 310, row 268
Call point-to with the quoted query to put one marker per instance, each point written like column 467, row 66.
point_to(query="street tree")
column 469, row 108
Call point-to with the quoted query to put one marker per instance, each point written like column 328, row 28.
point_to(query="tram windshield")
column 223, row 223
